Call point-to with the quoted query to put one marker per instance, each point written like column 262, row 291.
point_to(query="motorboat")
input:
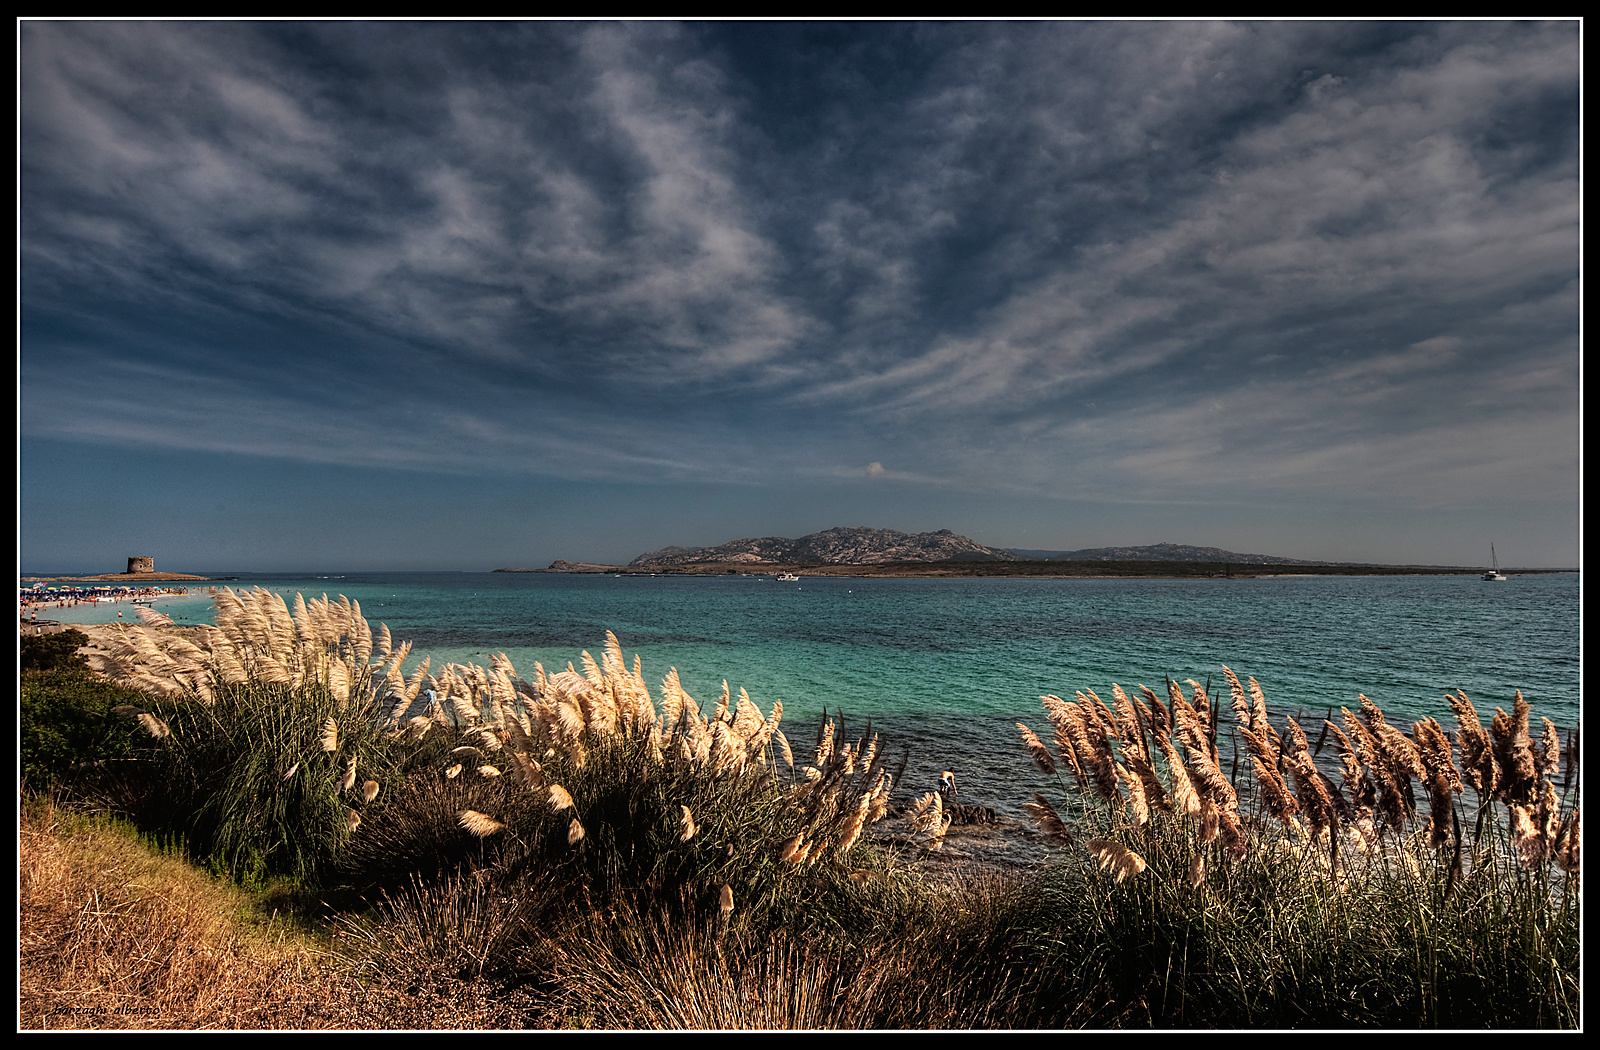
column 788, row 577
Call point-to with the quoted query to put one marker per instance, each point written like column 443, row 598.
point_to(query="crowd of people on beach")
column 37, row 597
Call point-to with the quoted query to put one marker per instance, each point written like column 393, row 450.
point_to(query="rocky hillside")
column 839, row 546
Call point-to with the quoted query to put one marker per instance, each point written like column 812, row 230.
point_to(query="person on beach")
column 947, row 785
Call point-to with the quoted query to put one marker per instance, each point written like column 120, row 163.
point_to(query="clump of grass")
column 1286, row 899
column 582, row 778
column 261, row 728
column 962, row 955
column 50, row 652
column 573, row 790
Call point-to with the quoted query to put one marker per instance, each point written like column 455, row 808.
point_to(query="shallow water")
column 947, row 667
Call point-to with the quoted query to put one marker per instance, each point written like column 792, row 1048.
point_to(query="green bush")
column 47, row 652
column 69, row 733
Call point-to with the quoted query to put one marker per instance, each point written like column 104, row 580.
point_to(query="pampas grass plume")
column 1048, row 819
column 369, row 790
column 687, row 824
column 1041, row 754
column 479, row 824
column 1116, row 858
column 574, row 832
column 559, row 799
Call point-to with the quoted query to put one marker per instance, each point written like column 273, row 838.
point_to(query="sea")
column 942, row 670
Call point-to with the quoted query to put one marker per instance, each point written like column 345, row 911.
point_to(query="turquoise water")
column 948, row 667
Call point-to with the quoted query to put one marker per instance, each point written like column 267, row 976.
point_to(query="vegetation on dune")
column 1259, row 902
column 575, row 850
column 67, row 728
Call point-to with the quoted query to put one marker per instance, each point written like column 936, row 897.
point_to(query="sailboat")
column 1494, row 574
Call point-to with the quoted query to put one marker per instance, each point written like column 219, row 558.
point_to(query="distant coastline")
column 1084, row 569
column 855, row 550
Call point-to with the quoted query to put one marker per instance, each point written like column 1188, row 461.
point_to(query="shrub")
column 47, row 652
column 68, row 733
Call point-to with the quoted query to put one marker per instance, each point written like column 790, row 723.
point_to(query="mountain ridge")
column 841, row 545
column 859, row 545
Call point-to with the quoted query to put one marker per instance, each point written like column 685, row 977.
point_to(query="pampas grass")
column 588, row 870
column 1320, row 904
column 259, row 726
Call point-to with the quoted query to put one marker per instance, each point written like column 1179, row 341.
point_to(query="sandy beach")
column 119, row 577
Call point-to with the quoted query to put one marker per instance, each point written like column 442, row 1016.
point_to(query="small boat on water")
column 788, row 577
column 1495, row 574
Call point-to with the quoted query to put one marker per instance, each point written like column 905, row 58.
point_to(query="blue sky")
column 367, row 295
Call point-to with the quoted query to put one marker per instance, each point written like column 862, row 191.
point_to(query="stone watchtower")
column 141, row 565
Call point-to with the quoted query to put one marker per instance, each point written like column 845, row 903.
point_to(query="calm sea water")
column 947, row 667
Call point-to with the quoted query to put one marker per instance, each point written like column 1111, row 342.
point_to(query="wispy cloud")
column 1106, row 259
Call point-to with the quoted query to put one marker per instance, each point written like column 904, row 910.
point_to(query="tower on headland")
column 141, row 564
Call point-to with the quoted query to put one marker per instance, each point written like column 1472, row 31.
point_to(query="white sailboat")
column 1495, row 574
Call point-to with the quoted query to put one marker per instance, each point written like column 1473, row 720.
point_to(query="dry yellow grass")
column 116, row 936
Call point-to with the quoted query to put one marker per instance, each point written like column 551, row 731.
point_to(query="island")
column 859, row 551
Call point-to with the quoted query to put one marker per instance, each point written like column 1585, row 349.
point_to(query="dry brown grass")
column 116, row 936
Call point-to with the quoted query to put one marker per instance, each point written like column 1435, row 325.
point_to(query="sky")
column 348, row 295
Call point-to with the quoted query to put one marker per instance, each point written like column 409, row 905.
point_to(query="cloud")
column 1351, row 201
column 1105, row 259
column 463, row 227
